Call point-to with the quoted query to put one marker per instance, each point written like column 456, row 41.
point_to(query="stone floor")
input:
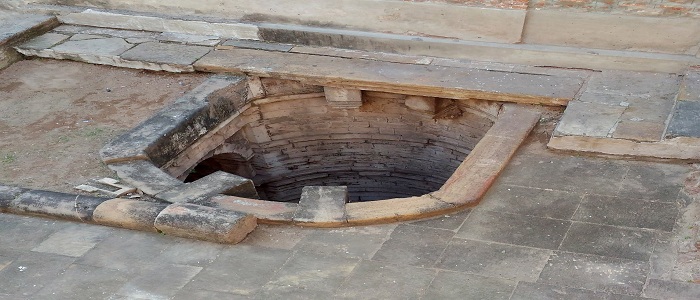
column 552, row 227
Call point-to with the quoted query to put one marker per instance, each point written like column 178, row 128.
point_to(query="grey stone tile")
column 83, row 282
column 514, row 229
column 127, row 251
column 606, row 274
column 588, row 119
column 100, row 47
column 493, row 260
column 20, row 233
column 191, row 294
column 456, row 285
column 654, row 181
column 546, row 203
column 310, row 272
column 567, row 173
column 685, row 120
column 609, row 241
column 690, row 90
column 355, row 242
column 627, row 212
column 74, row 240
column 276, row 236
column 44, row 41
column 289, row 293
column 81, row 36
column 31, row 272
column 634, row 83
column 161, row 282
column 240, row 269
column 532, row 291
column 166, row 53
column 193, row 39
column 662, row 263
column 248, row 44
column 190, row 252
column 378, row 280
column 671, row 290
column 414, row 245
column 449, row 222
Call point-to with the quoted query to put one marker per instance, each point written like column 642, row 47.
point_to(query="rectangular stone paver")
column 493, row 259
column 662, row 289
column 45, row 41
column 163, row 53
column 514, row 229
column 99, row 47
column 597, row 273
column 456, row 285
column 685, row 121
column 31, row 272
column 414, row 245
column 627, row 212
column 532, row 291
column 74, row 240
column 353, row 242
column 83, row 282
column 589, row 119
column 162, row 282
column 609, row 241
column 690, row 88
column 546, row 203
column 421, row 80
column 14, row 25
column 379, row 280
column 322, row 204
column 310, row 272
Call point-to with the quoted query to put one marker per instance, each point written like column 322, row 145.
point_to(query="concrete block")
column 145, row 176
column 322, row 206
column 55, row 205
column 128, row 213
column 205, row 223
column 343, row 98
column 174, row 54
column 216, row 183
column 418, row 103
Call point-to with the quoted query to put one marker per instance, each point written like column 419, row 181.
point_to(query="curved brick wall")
column 382, row 150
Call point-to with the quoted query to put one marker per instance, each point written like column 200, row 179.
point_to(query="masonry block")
column 419, row 103
column 322, row 205
column 216, row 183
column 205, row 223
column 343, row 98
column 128, row 213
column 55, row 205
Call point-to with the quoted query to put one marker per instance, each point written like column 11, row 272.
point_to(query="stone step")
column 335, row 68
column 16, row 28
column 649, row 115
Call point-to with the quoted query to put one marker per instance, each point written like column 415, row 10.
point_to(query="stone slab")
column 162, row 53
column 609, row 241
column 546, row 203
column 493, row 260
column 192, row 39
column 347, row 53
column 663, row 289
column 10, row 192
column 682, row 148
column 690, row 88
column 528, row 290
column 685, row 121
column 16, row 27
column 216, row 183
column 205, row 223
column 431, row 81
column 56, row 205
column 268, row 212
column 305, row 273
column 82, row 36
column 145, row 176
column 380, row 280
column 639, row 131
column 162, row 282
column 343, row 98
column 253, row 44
column 513, row 229
column 414, row 245
column 73, row 241
column 128, row 213
column 98, row 47
column 44, row 41
column 456, row 285
column 627, row 212
column 589, row 119
column 597, row 273
column 322, row 205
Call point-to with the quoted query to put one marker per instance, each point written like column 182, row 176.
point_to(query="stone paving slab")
column 634, row 114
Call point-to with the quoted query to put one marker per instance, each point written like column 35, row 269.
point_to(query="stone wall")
column 381, row 150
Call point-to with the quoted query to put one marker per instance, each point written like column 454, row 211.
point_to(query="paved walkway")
column 552, row 227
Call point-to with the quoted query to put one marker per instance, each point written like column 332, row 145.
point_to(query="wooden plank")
column 419, row 80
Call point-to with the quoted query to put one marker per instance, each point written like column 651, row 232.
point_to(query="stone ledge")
column 53, row 204
column 208, row 186
column 680, row 148
column 128, row 213
column 204, row 223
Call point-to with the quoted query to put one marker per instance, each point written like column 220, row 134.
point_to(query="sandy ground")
column 56, row 115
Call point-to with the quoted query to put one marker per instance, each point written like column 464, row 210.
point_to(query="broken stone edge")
column 183, row 220
column 8, row 55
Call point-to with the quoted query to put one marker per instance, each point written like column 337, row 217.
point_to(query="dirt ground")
column 56, row 115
